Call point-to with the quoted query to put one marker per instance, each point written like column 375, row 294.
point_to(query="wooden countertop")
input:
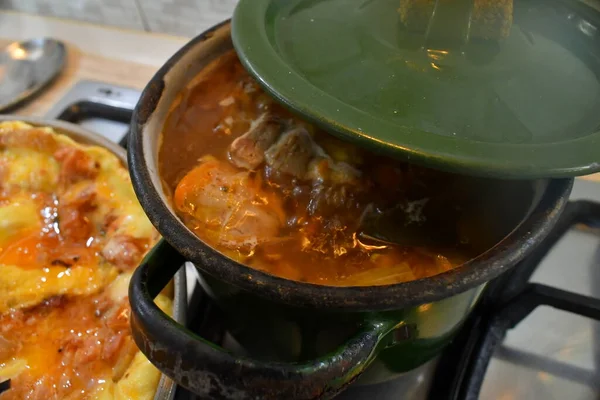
column 80, row 66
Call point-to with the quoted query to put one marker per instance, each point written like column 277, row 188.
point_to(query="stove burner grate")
column 508, row 301
column 83, row 110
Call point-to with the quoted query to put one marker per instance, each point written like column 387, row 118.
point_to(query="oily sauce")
column 277, row 194
column 71, row 344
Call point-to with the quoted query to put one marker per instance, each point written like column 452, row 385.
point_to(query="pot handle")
column 210, row 370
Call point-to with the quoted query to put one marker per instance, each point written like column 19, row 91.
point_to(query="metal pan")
column 166, row 387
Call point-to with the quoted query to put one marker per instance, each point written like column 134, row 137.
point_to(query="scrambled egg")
column 141, row 378
column 33, row 188
column 16, row 218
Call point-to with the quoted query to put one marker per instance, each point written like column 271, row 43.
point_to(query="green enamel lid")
column 512, row 91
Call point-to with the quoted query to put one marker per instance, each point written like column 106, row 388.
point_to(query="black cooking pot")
column 306, row 341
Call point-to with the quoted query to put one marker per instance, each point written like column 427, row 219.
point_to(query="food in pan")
column 71, row 233
column 490, row 19
column 279, row 195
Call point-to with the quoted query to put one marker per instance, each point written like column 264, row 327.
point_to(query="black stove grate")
column 508, row 301
column 86, row 109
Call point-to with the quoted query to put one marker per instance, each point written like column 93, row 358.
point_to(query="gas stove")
column 534, row 334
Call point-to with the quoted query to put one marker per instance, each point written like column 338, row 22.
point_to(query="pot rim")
column 477, row 271
column 75, row 132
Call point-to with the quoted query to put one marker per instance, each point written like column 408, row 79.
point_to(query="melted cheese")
column 18, row 218
column 117, row 195
column 12, row 368
column 21, row 288
column 119, row 288
column 141, row 378
column 30, row 169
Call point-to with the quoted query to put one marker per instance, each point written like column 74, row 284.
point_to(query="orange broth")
column 291, row 227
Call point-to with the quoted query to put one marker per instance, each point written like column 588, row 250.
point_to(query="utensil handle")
column 4, row 386
column 209, row 370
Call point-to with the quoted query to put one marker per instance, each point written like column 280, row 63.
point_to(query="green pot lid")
column 523, row 106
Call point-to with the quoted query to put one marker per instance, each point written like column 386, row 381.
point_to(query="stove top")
column 101, row 108
column 535, row 334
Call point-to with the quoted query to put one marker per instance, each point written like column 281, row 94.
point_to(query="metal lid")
column 511, row 91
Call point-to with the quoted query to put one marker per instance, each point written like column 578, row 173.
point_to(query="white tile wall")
column 176, row 17
column 185, row 17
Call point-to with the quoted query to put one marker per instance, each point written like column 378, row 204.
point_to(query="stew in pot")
column 279, row 195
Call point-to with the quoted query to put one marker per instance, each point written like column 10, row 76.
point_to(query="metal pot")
column 166, row 387
column 307, row 341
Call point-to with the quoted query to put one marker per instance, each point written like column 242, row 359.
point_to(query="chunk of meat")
column 85, row 350
column 110, row 223
column 122, row 251
column 230, row 204
column 325, row 170
column 248, row 150
column 330, row 200
column 335, row 186
column 76, row 165
column 37, row 390
column 3, row 172
column 292, row 153
column 79, row 339
column 72, row 210
column 329, row 236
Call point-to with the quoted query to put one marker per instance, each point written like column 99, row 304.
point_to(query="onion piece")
column 380, row 276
